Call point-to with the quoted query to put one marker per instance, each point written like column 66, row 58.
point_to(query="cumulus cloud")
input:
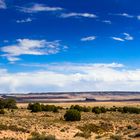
column 72, row 77
column 89, row 38
column 86, row 15
column 39, row 8
column 30, row 47
column 2, row 4
column 24, row 20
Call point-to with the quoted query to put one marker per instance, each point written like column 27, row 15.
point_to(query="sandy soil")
column 106, row 104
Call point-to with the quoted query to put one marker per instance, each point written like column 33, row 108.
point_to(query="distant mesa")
column 90, row 100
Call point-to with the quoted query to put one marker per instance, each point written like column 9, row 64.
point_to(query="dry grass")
column 20, row 124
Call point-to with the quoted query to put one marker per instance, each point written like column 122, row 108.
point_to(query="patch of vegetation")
column 81, row 108
column 2, row 111
column 132, row 110
column 116, row 137
column 100, row 128
column 125, row 109
column 37, row 136
column 8, row 103
column 72, row 115
column 12, row 128
column 129, row 127
column 98, row 110
column 37, row 107
column 85, row 134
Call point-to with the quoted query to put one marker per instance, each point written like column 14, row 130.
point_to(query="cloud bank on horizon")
column 66, row 46
column 70, row 77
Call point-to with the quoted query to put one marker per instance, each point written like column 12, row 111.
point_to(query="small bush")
column 131, row 110
column 129, row 127
column 72, row 115
column 2, row 111
column 77, row 107
column 55, row 110
column 36, row 107
column 96, row 110
column 81, row 108
column 8, row 103
column 86, row 109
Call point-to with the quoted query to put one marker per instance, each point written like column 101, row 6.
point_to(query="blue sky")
column 67, row 45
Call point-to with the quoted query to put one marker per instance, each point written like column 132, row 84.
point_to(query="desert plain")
column 22, row 124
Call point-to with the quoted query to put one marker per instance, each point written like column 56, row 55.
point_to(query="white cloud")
column 73, row 66
column 72, row 77
column 118, row 39
column 24, row 20
column 86, row 15
column 2, row 4
column 138, row 17
column 107, row 21
column 89, row 38
column 125, row 15
column 12, row 59
column 39, row 8
column 128, row 36
column 30, row 47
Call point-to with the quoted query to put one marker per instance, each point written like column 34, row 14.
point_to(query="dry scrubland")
column 21, row 124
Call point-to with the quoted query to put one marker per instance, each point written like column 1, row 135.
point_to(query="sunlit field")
column 25, row 124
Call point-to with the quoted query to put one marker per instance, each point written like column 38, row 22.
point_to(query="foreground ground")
column 20, row 124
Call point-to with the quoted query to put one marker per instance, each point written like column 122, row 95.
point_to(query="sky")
column 68, row 45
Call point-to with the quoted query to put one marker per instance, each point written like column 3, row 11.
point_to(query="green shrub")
column 103, row 109
column 30, row 106
column 81, row 108
column 72, row 115
column 49, row 108
column 36, row 107
column 86, row 109
column 132, row 110
column 8, row 103
column 55, row 110
column 77, row 107
column 96, row 110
